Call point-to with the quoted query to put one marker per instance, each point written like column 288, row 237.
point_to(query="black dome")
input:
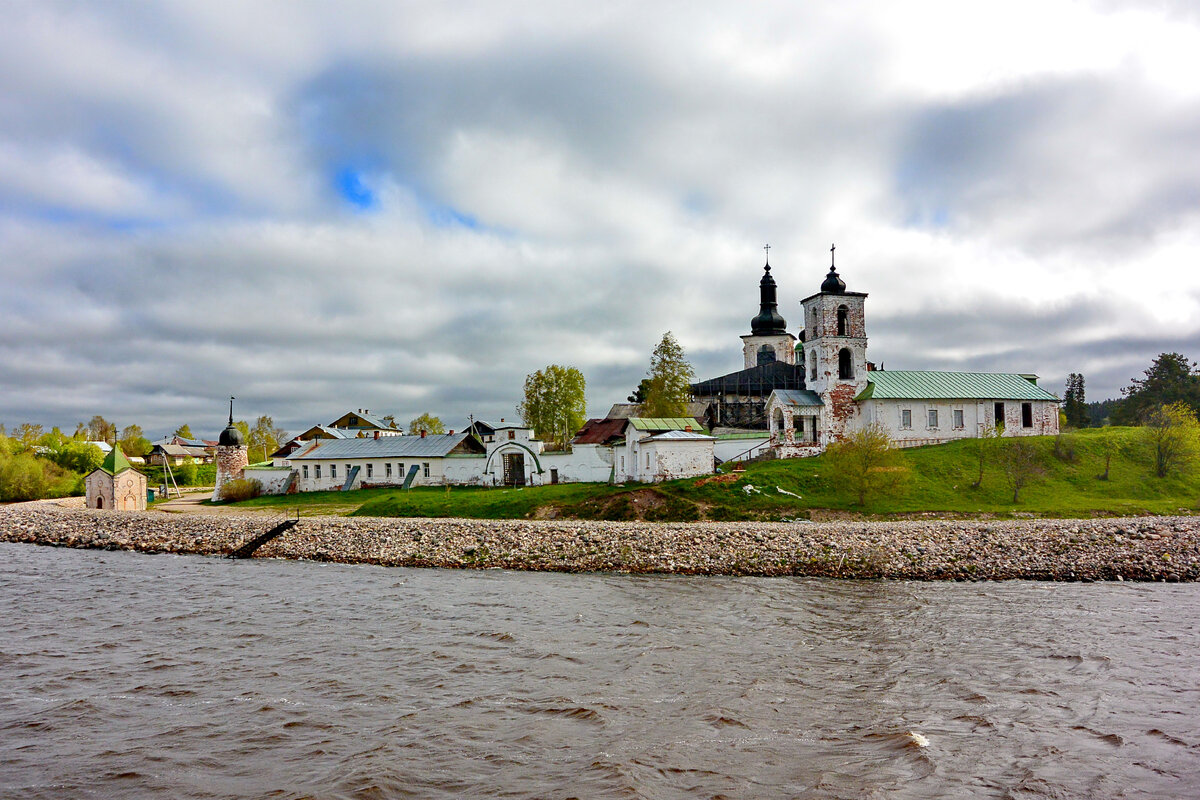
column 768, row 321
column 832, row 283
column 231, row 437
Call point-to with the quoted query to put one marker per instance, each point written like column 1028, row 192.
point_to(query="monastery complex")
column 795, row 394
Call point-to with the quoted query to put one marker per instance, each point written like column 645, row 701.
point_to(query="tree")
column 101, row 430
column 671, row 377
column 865, row 463
column 265, row 436
column 1170, row 379
column 639, row 394
column 133, row 443
column 1172, row 434
column 184, row 431
column 1074, row 402
column 554, row 404
column 984, row 443
column 241, row 425
column 1021, row 463
column 80, row 431
column 27, row 434
column 426, row 422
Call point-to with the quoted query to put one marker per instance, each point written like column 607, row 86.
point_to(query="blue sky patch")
column 353, row 190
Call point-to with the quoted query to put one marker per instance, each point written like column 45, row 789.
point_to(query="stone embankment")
column 1144, row 548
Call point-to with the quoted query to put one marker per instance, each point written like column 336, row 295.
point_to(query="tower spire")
column 231, row 399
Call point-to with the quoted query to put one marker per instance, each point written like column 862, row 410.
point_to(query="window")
column 766, row 354
column 348, row 468
column 958, row 418
column 812, row 360
column 304, row 471
column 933, row 418
column 370, row 470
column 845, row 364
column 317, row 468
column 400, row 469
column 554, row 475
column 842, row 314
column 998, row 414
column 425, row 468
column 906, row 418
column 1026, row 415
column 387, row 470
column 333, row 470
column 512, row 434
column 647, row 461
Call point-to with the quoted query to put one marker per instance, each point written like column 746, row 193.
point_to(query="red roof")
column 600, row 431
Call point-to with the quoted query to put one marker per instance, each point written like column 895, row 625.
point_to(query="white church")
column 842, row 392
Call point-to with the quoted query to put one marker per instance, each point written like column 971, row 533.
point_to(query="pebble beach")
column 1127, row 548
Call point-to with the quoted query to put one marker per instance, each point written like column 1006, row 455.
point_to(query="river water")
column 126, row 675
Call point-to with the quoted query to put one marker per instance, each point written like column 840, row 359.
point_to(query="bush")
column 1064, row 448
column 235, row 491
column 864, row 464
column 22, row 478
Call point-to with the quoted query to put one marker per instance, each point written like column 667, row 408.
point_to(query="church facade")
column 818, row 387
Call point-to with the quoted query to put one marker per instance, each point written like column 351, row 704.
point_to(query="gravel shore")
column 1131, row 548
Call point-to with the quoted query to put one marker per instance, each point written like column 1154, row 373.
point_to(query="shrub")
column 865, row 464
column 1064, row 448
column 235, row 491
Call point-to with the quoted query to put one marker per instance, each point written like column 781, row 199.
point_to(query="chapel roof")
column 115, row 462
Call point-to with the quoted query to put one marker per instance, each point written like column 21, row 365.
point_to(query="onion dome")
column 231, row 436
column 832, row 283
column 768, row 321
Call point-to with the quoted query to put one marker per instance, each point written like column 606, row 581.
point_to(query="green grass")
column 937, row 480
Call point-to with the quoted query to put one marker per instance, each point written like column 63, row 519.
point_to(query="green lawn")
column 936, row 480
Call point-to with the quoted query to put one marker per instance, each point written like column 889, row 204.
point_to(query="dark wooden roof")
column 757, row 381
column 600, row 431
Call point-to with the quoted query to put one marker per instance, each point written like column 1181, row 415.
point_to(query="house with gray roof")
column 432, row 459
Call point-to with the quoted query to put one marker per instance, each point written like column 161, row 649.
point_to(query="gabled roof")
column 180, row 451
column 600, row 431
column 330, row 433
column 903, row 384
column 797, row 398
column 115, row 462
column 365, row 421
column 431, row 446
column 694, row 408
column 664, row 423
column 754, row 382
column 679, row 436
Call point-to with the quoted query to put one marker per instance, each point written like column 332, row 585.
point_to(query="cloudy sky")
column 407, row 207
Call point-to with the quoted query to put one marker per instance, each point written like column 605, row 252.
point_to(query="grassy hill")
column 937, row 480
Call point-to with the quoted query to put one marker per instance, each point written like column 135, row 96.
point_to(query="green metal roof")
column 665, row 424
column 904, row 384
column 115, row 462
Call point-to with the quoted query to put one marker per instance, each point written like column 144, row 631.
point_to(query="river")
column 125, row 675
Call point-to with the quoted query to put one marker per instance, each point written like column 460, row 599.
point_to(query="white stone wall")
column 667, row 460
column 725, row 449
column 822, row 347
column 378, row 472
column 976, row 414
column 273, row 481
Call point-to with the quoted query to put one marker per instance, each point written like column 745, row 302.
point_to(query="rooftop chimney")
column 376, row 434
column 687, row 428
column 451, row 431
column 422, row 433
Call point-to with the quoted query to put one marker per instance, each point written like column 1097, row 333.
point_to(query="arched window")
column 812, row 362
column 843, row 314
column 777, row 421
column 766, row 354
column 845, row 364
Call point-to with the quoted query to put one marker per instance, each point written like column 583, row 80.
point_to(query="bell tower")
column 834, row 345
column 768, row 340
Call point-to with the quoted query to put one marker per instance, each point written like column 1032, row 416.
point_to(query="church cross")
column 767, row 250
column 231, row 399
column 832, row 247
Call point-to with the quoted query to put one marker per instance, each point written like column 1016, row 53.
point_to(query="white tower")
column 835, row 351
